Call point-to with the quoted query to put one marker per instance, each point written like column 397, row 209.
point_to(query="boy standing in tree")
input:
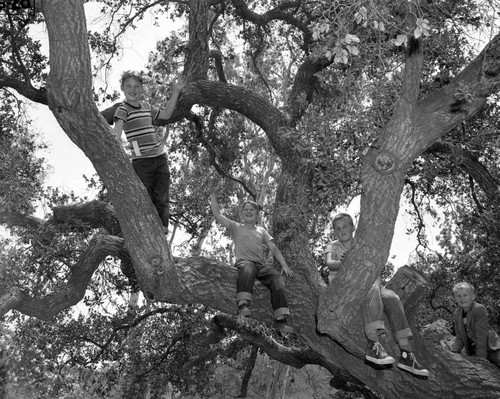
column 471, row 326
column 149, row 160
column 249, row 240
column 378, row 299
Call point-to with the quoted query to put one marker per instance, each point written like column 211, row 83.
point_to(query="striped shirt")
column 144, row 140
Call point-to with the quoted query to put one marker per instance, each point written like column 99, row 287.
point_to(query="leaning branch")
column 25, row 89
column 470, row 164
column 277, row 13
column 253, row 331
column 80, row 275
column 464, row 96
column 304, row 84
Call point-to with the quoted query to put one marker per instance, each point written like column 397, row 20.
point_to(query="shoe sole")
column 422, row 373
column 381, row 362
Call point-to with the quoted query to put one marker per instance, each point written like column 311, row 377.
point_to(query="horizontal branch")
column 20, row 220
column 47, row 307
column 277, row 13
column 252, row 331
column 25, row 89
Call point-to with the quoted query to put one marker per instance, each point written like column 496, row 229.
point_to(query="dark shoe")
column 408, row 362
column 243, row 310
column 283, row 326
column 375, row 353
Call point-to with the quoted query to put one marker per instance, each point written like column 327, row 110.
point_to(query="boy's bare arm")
column 214, row 204
column 167, row 112
column 279, row 257
column 118, row 128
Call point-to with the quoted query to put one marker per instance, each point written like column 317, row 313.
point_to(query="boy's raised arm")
column 214, row 204
column 167, row 112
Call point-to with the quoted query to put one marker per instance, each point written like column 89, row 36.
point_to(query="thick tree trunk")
column 71, row 101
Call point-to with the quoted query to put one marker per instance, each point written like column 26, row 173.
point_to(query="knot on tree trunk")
column 384, row 162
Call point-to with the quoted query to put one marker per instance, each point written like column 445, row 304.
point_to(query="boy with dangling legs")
column 249, row 239
column 378, row 300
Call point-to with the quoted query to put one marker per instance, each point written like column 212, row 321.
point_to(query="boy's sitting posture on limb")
column 471, row 326
column 378, row 299
column 249, row 253
column 149, row 160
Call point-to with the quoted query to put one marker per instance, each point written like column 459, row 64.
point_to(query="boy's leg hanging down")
column 147, row 171
column 247, row 271
column 144, row 169
column 374, row 327
column 274, row 281
column 402, row 333
column 161, row 188
column 397, row 319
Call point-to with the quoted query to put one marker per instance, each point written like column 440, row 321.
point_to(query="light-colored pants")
column 378, row 301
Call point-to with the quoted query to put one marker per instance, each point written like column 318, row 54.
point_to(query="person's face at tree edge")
column 343, row 229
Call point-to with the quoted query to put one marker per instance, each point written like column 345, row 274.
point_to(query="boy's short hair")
column 132, row 74
column 254, row 204
column 340, row 216
column 463, row 285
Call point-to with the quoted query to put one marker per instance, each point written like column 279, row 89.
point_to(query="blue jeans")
column 247, row 273
column 155, row 175
column 378, row 300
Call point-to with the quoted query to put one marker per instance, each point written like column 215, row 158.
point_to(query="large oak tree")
column 326, row 317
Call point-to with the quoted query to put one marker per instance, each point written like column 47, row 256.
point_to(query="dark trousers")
column 155, row 175
column 248, row 272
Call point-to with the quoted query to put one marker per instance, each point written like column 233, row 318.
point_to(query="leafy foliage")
column 110, row 350
column 21, row 169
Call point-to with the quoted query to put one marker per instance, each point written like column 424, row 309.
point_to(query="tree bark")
column 337, row 340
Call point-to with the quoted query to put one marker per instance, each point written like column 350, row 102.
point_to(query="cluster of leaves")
column 107, row 355
column 21, row 57
column 21, row 169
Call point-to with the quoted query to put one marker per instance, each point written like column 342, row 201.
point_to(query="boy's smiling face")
column 249, row 214
column 132, row 89
column 464, row 297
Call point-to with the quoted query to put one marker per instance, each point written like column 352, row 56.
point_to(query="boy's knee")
column 278, row 282
column 390, row 299
column 245, row 268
